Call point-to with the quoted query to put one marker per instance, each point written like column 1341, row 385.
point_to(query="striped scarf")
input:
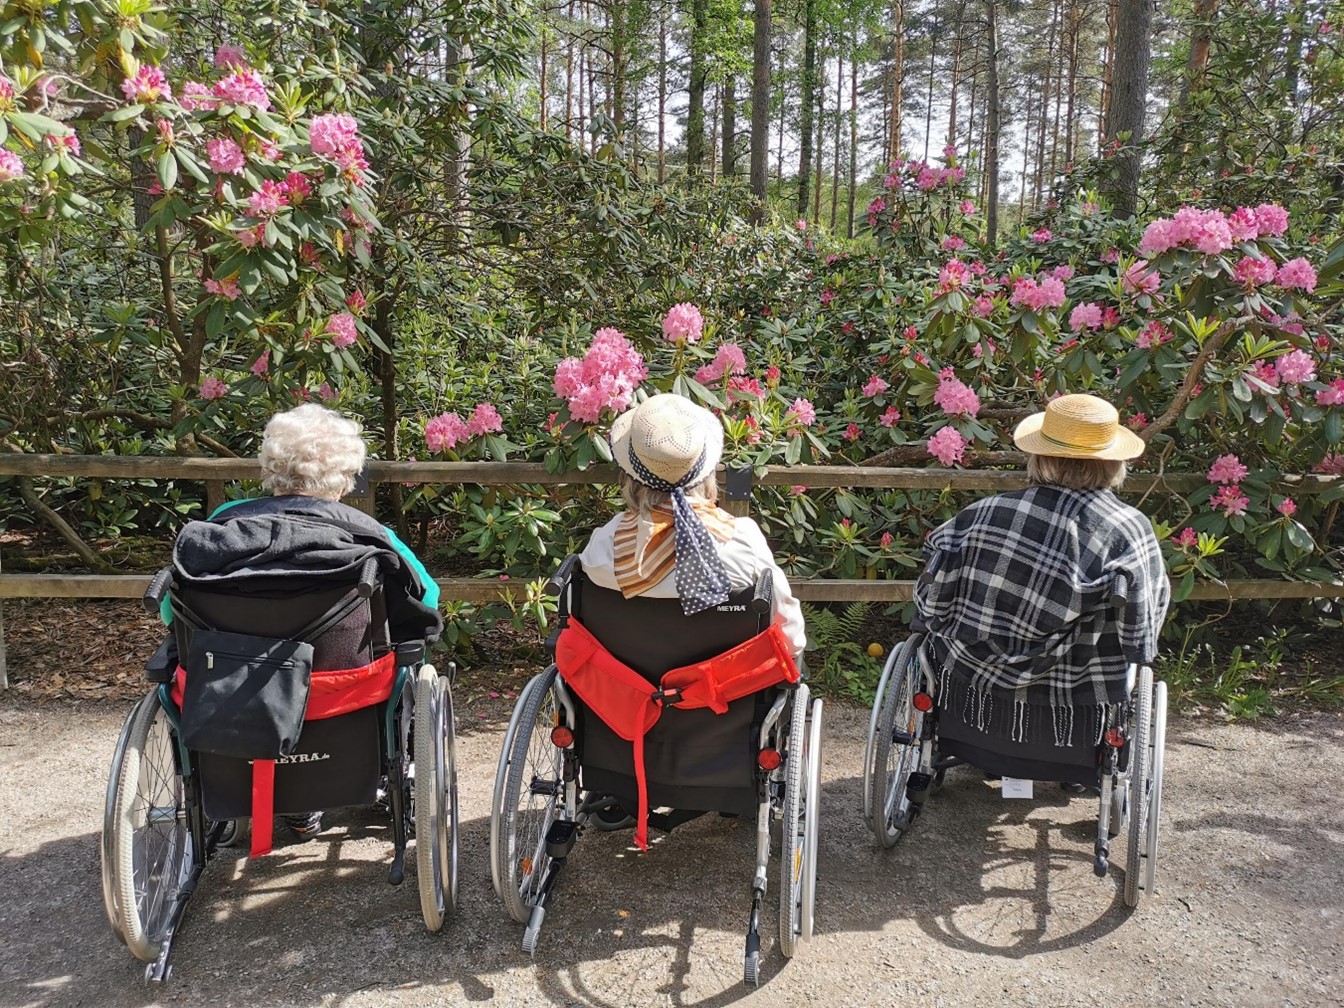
column 645, row 545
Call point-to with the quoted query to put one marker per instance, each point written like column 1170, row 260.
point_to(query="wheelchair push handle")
column 158, row 590
column 765, row 589
column 368, row 578
column 561, row 577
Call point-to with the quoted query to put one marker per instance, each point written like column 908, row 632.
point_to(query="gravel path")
column 987, row 902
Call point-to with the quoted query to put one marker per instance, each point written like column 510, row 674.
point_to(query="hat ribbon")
column 702, row 579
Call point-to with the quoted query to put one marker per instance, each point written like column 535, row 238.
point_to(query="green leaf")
column 1333, row 427
column 122, row 114
column 1184, row 587
column 167, row 170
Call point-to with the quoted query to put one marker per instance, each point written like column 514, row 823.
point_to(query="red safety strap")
column 330, row 694
column 630, row 705
column 263, row 805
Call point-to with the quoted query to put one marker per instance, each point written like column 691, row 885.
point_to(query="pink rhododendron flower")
column 1138, row 421
column 885, row 540
column 956, row 398
column 874, row 386
column 740, row 388
column 332, row 134
column 1264, row 372
column 1110, row 318
column 953, row 274
column 262, row 364
column 1332, row 394
column 1286, row 507
column 801, row 225
column 226, row 157
column 1029, row 294
column 1252, row 271
column 1062, row 273
column 852, row 432
column 772, row 374
column 357, row 302
column 1271, row 219
column 797, row 489
column 229, row 56
column 196, row 95
column 952, row 243
column 1230, row 500
column 267, row 201
column 10, row 165
column 1331, row 465
column 890, row 418
column 1041, row 236
column 966, row 207
column 683, row 322
column 728, row 360
column 326, row 392
column 1151, row 335
column 1186, row 537
column 296, row 187
column 68, row 142
column 148, row 85
column 947, row 446
column 1242, row 224
column 827, row 296
column 242, row 87
column 1139, row 279
column 1297, row 273
column 445, row 432
column 604, row 379
column 485, row 419
column 344, row 332
column 213, row 388
column 1295, row 367
column 1086, row 316
column 226, row 288
column 802, row 412
column 165, row 128
column 1227, row 469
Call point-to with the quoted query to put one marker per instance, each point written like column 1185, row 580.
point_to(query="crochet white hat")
column 670, row 437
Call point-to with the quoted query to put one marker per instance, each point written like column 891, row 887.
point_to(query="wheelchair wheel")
column 1140, row 761
column 894, row 741
column 435, row 797
column 529, row 791
column 1155, row 788
column 798, row 857
column 147, row 843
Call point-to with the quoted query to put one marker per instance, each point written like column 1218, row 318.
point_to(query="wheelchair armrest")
column 368, row 578
column 765, row 589
column 557, row 582
column 411, row 653
column 158, row 590
column 163, row 663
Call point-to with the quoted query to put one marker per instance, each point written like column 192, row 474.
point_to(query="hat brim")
column 620, row 445
column 1030, row 439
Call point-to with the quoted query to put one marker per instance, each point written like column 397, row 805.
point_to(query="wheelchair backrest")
column 653, row 635
column 256, row 607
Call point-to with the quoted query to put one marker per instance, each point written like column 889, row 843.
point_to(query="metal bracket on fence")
column 737, row 489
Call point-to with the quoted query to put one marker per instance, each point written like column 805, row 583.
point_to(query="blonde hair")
column 640, row 499
column 311, row 451
column 1075, row 473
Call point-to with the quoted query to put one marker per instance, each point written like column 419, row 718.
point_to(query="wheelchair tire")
column 435, row 797
column 528, row 792
column 891, row 760
column 1155, row 789
column 797, row 860
column 147, row 842
column 1139, row 790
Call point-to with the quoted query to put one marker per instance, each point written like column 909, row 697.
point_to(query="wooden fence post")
column 737, row 490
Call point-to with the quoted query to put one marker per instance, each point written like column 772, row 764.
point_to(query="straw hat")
column 1078, row 426
column 673, row 438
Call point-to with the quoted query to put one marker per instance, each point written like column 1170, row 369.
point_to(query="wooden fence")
column 218, row 471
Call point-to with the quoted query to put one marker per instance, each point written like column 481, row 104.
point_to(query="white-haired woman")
column 672, row 540
column 1047, row 594
column 310, row 457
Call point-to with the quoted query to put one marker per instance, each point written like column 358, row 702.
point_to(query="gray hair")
column 1075, row 473
column 311, row 451
column 641, row 499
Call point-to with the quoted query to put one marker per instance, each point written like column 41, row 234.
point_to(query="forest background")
column 865, row 232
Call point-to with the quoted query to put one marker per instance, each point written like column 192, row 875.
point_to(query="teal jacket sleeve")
column 431, row 596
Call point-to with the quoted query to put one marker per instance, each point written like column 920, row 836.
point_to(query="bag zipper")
column 278, row 663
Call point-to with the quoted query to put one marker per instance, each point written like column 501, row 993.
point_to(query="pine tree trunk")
column 729, row 140
column 819, row 147
column 714, row 137
column 897, row 79
column 662, row 97
column 541, row 77
column 1107, row 72
column 933, row 67
column 760, row 107
column 853, row 142
column 1052, row 163
column 955, row 79
column 695, row 110
column 992, row 123
column 620, row 55
column 1201, row 39
column 1129, row 92
column 1038, row 176
column 1071, row 112
column 807, row 103
column 835, row 159
column 569, row 80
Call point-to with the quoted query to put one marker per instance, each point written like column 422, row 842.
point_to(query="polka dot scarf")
column 702, row 580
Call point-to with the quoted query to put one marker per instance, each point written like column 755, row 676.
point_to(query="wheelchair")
column 563, row 768
column 386, row 735
column 915, row 735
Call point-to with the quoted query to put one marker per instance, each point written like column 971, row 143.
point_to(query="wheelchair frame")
column 903, row 767
column 539, row 809
column 156, row 839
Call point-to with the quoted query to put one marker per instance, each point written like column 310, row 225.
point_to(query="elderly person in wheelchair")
column 675, row 690
column 294, row 680
column 1035, row 617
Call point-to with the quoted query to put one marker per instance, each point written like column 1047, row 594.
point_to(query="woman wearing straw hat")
column 672, row 540
column 1049, row 592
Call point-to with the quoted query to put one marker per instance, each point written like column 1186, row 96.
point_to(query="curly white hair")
column 311, row 451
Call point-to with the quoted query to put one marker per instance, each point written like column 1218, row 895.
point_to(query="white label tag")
column 1016, row 787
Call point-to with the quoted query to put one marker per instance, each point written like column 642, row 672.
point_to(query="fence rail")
column 90, row 586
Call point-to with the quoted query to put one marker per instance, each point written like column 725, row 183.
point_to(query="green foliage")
column 836, row 662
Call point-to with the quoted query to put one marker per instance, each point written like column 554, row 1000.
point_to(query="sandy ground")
column 988, row 902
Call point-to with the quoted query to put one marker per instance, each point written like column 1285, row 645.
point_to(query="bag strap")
column 331, row 617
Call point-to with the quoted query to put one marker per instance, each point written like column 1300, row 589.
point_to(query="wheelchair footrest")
column 560, row 838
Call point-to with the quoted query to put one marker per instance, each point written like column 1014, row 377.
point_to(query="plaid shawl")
column 1044, row 594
